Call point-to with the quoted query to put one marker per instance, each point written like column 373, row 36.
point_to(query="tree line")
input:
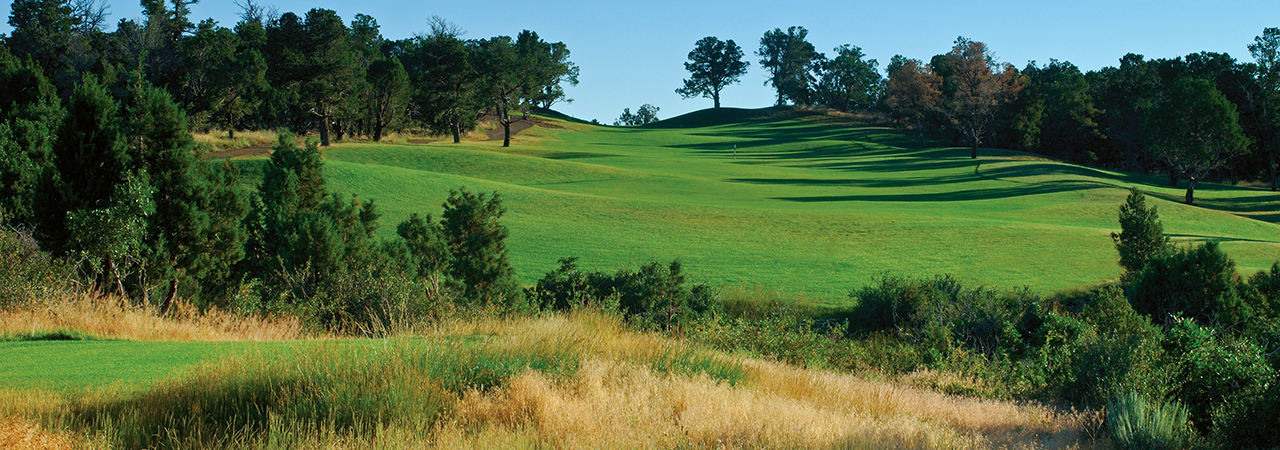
column 305, row 72
column 1202, row 116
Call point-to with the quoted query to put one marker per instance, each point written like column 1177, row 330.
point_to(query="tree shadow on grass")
column 959, row 195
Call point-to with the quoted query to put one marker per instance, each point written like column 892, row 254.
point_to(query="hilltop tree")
column 713, row 65
column 1141, row 234
column 1193, row 129
column 849, row 81
column 28, row 122
column 546, row 66
column 1122, row 94
column 445, row 79
column 791, row 61
column 980, row 86
column 1266, row 55
column 504, row 81
column 912, row 92
column 1056, row 113
column 644, row 115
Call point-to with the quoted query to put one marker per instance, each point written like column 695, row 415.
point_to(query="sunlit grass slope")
column 812, row 203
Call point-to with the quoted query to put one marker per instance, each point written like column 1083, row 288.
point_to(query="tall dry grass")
column 581, row 380
column 107, row 317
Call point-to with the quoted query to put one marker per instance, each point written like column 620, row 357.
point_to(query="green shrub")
column 1139, row 424
column 28, row 274
column 1249, row 421
column 1212, row 369
column 653, row 296
column 1197, row 282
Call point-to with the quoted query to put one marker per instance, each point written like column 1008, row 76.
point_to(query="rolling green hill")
column 812, row 203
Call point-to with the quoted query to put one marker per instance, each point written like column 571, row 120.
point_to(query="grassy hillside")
column 812, row 203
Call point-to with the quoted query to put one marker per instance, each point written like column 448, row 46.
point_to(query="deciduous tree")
column 912, row 93
column 792, row 62
column 1266, row 55
column 849, row 81
column 713, row 65
column 980, row 87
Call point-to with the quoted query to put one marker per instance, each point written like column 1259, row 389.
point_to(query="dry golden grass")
column 614, row 397
column 614, row 402
column 17, row 433
column 107, row 317
column 217, row 139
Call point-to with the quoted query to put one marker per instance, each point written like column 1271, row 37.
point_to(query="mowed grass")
column 814, row 204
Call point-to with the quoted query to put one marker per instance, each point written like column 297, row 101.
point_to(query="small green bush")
column 1137, row 423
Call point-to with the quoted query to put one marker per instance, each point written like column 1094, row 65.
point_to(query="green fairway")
column 130, row 365
column 810, row 204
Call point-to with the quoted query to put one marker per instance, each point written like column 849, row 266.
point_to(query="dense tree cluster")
column 103, row 172
column 306, row 72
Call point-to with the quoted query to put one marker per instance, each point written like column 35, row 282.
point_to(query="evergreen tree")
column 428, row 249
column 1141, row 235
column 448, row 88
column 388, row 95
column 477, row 241
column 28, row 122
column 90, row 159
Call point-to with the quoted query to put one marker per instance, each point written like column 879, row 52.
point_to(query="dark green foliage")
column 1197, row 282
column 90, row 157
column 644, row 115
column 444, row 76
column 477, row 242
column 388, row 95
column 713, row 65
column 1249, row 421
column 1193, row 129
column 1141, row 235
column 27, row 274
column 942, row 316
column 1212, row 369
column 1093, row 345
column 112, row 236
column 428, row 249
column 313, row 249
column 850, row 82
column 792, row 62
column 652, row 295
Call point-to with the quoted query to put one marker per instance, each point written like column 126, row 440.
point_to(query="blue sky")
column 631, row 53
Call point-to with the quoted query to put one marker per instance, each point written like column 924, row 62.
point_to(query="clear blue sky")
column 631, row 52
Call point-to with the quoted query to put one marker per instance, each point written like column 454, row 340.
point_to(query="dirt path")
column 238, row 152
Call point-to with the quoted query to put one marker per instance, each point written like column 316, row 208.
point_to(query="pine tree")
column 428, row 249
column 1141, row 234
column 478, row 243
column 90, row 159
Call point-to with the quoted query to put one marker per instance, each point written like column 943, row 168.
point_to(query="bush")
column 1251, row 421
column 1212, row 369
column 28, row 274
column 653, row 296
column 1138, row 423
column 1198, row 282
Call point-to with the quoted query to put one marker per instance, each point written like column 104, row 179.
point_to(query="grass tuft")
column 1139, row 424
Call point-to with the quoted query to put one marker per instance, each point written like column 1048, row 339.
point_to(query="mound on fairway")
column 805, row 202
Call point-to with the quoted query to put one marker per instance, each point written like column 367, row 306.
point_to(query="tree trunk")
column 168, row 298
column 1173, row 178
column 457, row 132
column 1273, row 177
column 975, row 150
column 324, row 131
column 506, row 133
column 338, row 129
column 115, row 273
column 377, row 132
column 716, row 97
column 231, row 132
column 1191, row 189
